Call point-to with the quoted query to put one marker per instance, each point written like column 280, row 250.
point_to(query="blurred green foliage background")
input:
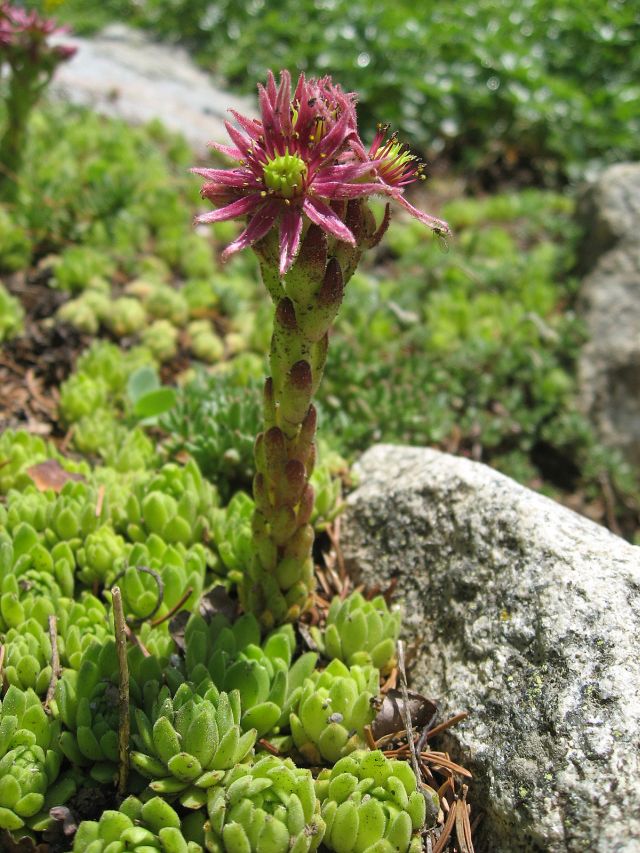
column 542, row 88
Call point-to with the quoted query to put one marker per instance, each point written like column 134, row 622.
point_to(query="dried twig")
column 440, row 759
column 369, row 738
column 265, row 744
column 447, row 829
column 447, row 724
column 135, row 640
column 463, row 828
column 174, row 609
column 159, row 584
column 406, row 713
column 100, row 501
column 123, row 690
column 333, row 532
column 55, row 660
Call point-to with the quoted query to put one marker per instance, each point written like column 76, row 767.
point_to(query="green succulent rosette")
column 81, row 623
column 205, row 344
column 371, row 804
column 149, row 827
column 125, row 316
column 175, row 503
column 161, row 337
column 165, row 303
column 99, row 433
column 27, row 659
column 333, row 708
column 30, row 762
column 361, row 632
column 29, row 506
column 268, row 807
column 73, row 514
column 232, row 657
column 100, row 550
column 215, row 420
column 80, row 395
column 82, row 314
column 26, row 592
column 86, row 703
column 36, row 565
column 153, row 576
column 327, row 485
column 231, row 531
column 185, row 743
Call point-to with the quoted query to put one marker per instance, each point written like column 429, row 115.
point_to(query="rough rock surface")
column 121, row 73
column 609, row 367
column 528, row 616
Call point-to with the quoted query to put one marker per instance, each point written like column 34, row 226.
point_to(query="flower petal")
column 268, row 123
column 272, row 91
column 231, row 211
column 338, row 189
column 282, row 107
column 322, row 215
column 290, row 231
column 336, row 137
column 249, row 125
column 348, row 171
column 229, row 177
column 243, row 143
column 438, row 225
column 261, row 222
column 227, row 150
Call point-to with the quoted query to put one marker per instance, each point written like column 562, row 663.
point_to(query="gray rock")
column 609, row 366
column 120, row 73
column 528, row 616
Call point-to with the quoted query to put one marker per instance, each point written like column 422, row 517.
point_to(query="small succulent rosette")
column 269, row 807
column 30, row 763
column 149, row 827
column 232, row 657
column 185, row 743
column 86, row 702
column 372, row 804
column 332, row 711
column 361, row 632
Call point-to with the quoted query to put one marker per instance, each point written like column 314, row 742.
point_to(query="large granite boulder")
column 528, row 616
column 609, row 366
column 123, row 74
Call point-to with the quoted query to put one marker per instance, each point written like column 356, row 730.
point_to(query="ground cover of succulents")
column 185, row 663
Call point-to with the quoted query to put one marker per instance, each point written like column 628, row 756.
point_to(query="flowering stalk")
column 303, row 180
column 32, row 61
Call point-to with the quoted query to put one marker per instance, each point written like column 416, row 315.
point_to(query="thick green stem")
column 279, row 584
column 24, row 91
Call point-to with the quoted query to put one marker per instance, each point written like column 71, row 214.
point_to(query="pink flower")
column 395, row 168
column 302, row 154
column 23, row 35
column 290, row 166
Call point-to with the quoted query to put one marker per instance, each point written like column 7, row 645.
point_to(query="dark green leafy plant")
column 216, row 419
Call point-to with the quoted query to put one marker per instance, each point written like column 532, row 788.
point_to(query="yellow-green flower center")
column 394, row 157
column 285, row 175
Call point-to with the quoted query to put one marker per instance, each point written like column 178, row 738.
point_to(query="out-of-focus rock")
column 121, row 73
column 609, row 365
